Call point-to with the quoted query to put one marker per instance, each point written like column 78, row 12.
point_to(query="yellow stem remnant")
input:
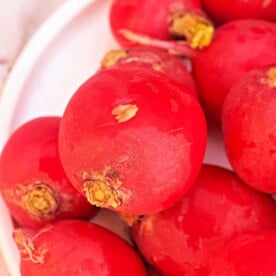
column 272, row 76
column 112, row 57
column 124, row 112
column 40, row 201
column 101, row 194
column 196, row 29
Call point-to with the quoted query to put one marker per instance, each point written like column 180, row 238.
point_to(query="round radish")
column 76, row 248
column 237, row 47
column 161, row 19
column 132, row 141
column 154, row 59
column 224, row 10
column 249, row 128
column 33, row 182
column 185, row 239
column 249, row 254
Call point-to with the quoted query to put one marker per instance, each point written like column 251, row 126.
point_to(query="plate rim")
column 10, row 95
column 30, row 53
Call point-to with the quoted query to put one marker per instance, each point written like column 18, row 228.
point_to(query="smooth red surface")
column 148, row 17
column 250, row 254
column 186, row 239
column 78, row 248
column 31, row 154
column 161, row 61
column 249, row 128
column 224, row 10
column 156, row 154
column 237, row 47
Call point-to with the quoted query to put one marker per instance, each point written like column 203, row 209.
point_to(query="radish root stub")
column 196, row 29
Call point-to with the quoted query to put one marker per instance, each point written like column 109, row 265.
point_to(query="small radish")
column 33, row 182
column 249, row 128
column 186, row 239
column 237, row 47
column 248, row 254
column 132, row 141
column 163, row 19
column 224, row 10
column 152, row 58
column 76, row 248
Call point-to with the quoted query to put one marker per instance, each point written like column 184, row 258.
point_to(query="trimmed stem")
column 40, row 201
column 272, row 76
column 180, row 48
column 101, row 194
column 196, row 29
column 112, row 57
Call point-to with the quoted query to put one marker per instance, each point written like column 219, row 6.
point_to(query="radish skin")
column 224, row 10
column 238, row 47
column 249, row 128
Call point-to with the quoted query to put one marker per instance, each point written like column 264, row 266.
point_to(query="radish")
column 249, row 128
column 76, row 248
column 165, row 19
column 224, row 10
column 33, row 182
column 237, row 47
column 152, row 58
column 248, row 254
column 132, row 140
column 186, row 239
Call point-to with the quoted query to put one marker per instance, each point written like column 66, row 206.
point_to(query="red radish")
column 151, row 58
column 237, row 48
column 76, row 248
column 33, row 182
column 163, row 19
column 132, row 141
column 249, row 128
column 224, row 10
column 185, row 239
column 249, row 254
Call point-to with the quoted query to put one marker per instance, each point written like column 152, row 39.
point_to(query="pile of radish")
column 132, row 140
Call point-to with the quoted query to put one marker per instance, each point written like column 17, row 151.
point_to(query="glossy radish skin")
column 224, row 10
column 249, row 254
column 33, row 182
column 237, row 48
column 76, row 248
column 249, row 128
column 185, row 239
column 152, row 58
column 163, row 19
column 132, row 141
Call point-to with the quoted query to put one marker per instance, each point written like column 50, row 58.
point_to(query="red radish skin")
column 224, row 10
column 237, row 48
column 154, row 59
column 249, row 254
column 76, row 248
column 163, row 19
column 249, row 128
column 132, row 141
column 33, row 182
column 186, row 239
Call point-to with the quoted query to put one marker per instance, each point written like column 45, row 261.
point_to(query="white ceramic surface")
column 64, row 52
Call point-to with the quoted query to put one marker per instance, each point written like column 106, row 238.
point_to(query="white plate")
column 64, row 52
